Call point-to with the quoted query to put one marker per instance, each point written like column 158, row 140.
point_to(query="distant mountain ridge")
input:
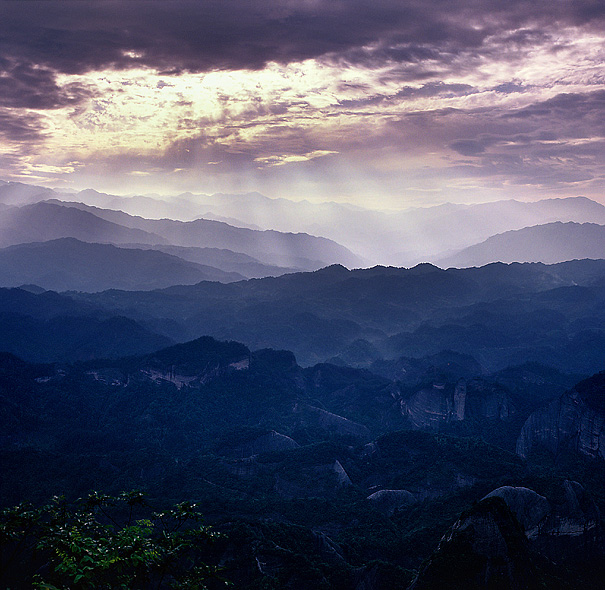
column 68, row 264
column 279, row 252
column 48, row 221
column 48, row 327
column 500, row 314
column 549, row 243
column 399, row 237
column 298, row 250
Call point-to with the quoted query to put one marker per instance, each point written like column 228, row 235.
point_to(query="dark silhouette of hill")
column 51, row 327
column 549, row 243
column 499, row 314
column 69, row 264
column 298, row 468
column 486, row 548
column 224, row 259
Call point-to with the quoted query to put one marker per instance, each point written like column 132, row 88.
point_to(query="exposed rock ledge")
column 389, row 501
column 574, row 422
column 569, row 530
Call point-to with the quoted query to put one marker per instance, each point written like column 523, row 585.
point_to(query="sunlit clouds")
column 507, row 105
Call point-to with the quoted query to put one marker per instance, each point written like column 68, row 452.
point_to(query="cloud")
column 24, row 85
column 587, row 109
column 22, row 128
column 467, row 147
column 398, row 93
column 429, row 90
column 282, row 159
column 176, row 36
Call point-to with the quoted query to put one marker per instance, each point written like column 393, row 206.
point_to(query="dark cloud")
column 26, row 86
column 566, row 105
column 510, row 88
column 173, row 36
column 419, row 39
column 430, row 90
column 436, row 89
column 413, row 42
column 19, row 127
column 467, row 147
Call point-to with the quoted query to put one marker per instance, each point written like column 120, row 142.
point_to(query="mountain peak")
column 333, row 269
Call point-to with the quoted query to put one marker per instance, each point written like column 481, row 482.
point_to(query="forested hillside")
column 359, row 474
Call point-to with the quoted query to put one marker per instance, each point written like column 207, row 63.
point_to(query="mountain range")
column 499, row 314
column 218, row 247
column 401, row 238
column 548, row 243
column 339, row 425
column 67, row 264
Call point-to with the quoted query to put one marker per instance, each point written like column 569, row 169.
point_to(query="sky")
column 379, row 103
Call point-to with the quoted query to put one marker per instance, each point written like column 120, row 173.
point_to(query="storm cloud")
column 173, row 36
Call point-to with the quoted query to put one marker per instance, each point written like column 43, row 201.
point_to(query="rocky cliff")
column 331, row 423
column 263, row 443
column 389, row 501
column 575, row 422
column 443, row 403
column 485, row 548
column 567, row 529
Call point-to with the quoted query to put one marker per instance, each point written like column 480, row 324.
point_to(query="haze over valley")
column 303, row 235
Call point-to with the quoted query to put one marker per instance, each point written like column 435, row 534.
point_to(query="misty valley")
column 411, row 400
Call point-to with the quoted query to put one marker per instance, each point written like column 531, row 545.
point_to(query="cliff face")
column 529, row 507
column 442, row 404
column 331, row 423
column 568, row 531
column 319, row 481
column 575, row 422
column 264, row 443
column 485, row 548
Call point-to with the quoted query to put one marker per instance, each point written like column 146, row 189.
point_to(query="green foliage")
column 99, row 542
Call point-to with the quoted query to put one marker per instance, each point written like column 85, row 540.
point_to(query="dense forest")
column 328, row 476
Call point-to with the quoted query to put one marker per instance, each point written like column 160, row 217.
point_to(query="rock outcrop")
column 575, row 422
column 333, row 423
column 320, row 481
column 529, row 507
column 568, row 531
column 431, row 408
column 265, row 443
column 485, row 548
column 389, row 501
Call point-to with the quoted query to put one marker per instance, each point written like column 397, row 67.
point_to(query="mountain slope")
column 48, row 327
column 499, row 313
column 49, row 221
column 399, row 237
column 296, row 250
column 549, row 243
column 69, row 264
column 484, row 549
column 224, row 259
